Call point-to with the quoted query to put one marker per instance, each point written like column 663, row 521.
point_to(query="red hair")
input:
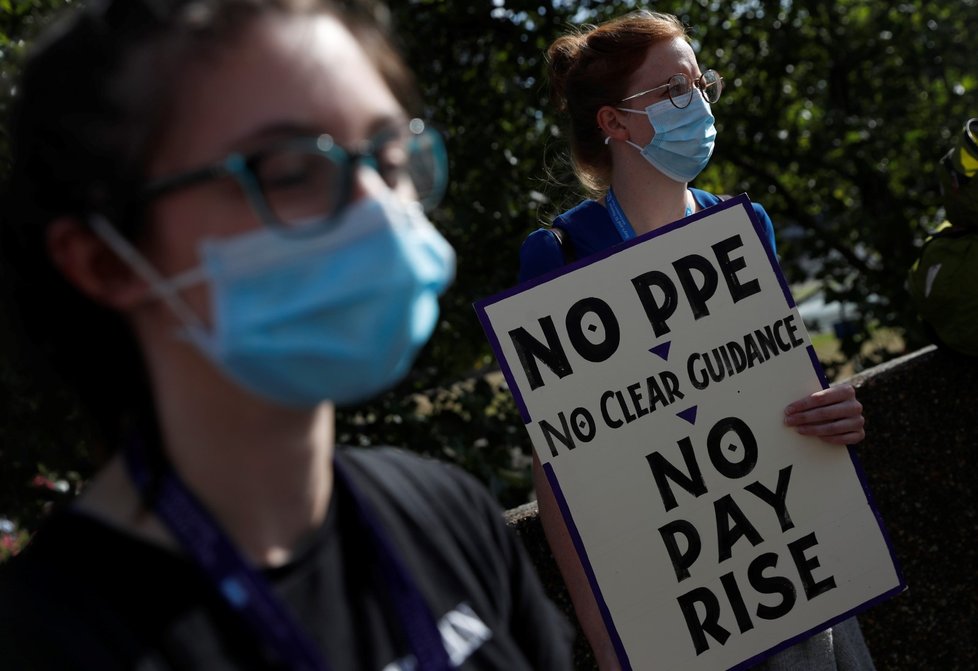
column 591, row 68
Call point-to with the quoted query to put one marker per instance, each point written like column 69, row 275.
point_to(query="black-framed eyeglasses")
column 680, row 88
column 305, row 181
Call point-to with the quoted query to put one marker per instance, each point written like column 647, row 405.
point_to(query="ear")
column 94, row 269
column 611, row 123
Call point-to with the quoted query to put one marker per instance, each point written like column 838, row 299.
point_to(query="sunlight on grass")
column 827, row 348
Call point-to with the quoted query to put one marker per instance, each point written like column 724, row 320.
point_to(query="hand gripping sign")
column 652, row 379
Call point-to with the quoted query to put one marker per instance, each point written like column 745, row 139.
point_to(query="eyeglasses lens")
column 300, row 185
column 305, row 183
column 680, row 90
column 712, row 84
column 427, row 167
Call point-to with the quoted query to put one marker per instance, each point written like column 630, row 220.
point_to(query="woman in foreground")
column 216, row 234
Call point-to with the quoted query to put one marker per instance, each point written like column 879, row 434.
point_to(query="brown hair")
column 590, row 68
column 92, row 102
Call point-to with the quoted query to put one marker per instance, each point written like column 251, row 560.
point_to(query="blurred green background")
column 834, row 116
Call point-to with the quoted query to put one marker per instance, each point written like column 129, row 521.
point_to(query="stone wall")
column 921, row 461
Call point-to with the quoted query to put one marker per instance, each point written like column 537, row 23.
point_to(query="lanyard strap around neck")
column 622, row 225
column 246, row 592
column 618, row 217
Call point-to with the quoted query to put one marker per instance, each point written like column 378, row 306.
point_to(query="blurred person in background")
column 943, row 282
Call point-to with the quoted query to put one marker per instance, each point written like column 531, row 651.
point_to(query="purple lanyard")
column 248, row 594
column 619, row 219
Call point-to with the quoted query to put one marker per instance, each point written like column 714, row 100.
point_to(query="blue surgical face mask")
column 335, row 316
column 683, row 140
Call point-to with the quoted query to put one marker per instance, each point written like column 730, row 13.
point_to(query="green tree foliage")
column 45, row 446
column 834, row 117
column 19, row 22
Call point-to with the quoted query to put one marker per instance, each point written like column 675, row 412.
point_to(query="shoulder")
column 56, row 596
column 454, row 536
column 585, row 213
column 589, row 228
column 410, row 492
column 400, row 465
column 539, row 253
column 44, row 559
column 766, row 225
column 464, row 534
column 412, row 483
column 706, row 199
column 29, row 604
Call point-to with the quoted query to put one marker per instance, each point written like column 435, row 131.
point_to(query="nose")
column 367, row 182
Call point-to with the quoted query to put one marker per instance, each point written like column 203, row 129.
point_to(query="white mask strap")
column 632, row 111
column 607, row 140
column 633, row 144
column 161, row 288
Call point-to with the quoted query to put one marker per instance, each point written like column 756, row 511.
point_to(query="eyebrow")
column 287, row 129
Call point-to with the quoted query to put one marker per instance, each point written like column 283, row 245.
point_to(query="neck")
column 263, row 471
column 648, row 198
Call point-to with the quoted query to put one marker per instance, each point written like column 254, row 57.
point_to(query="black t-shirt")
column 84, row 595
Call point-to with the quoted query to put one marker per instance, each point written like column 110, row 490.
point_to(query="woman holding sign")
column 216, row 235
column 641, row 128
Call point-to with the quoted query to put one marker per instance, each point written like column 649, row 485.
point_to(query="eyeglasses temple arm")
column 642, row 93
column 163, row 185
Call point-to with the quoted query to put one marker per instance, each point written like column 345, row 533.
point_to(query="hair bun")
column 562, row 56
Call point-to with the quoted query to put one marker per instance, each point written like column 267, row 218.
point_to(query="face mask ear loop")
column 630, row 111
column 164, row 290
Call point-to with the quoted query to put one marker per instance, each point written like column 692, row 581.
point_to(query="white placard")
column 652, row 380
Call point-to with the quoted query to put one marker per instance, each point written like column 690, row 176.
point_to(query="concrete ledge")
column 921, row 461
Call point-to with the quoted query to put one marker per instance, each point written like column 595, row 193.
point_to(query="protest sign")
column 652, row 379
